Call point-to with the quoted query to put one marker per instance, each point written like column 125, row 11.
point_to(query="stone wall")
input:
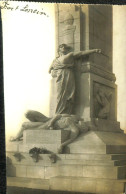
column 97, row 32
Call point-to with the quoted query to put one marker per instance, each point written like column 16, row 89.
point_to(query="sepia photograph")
column 64, row 77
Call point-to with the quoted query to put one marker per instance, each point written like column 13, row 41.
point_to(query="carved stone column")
column 69, row 25
column 68, row 30
column 95, row 79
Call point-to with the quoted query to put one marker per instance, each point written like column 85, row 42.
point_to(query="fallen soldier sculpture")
column 61, row 121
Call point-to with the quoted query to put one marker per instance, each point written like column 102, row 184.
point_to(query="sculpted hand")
column 98, row 50
column 50, row 126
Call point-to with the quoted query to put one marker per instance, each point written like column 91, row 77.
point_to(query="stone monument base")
column 70, row 184
column 105, row 125
column 99, row 142
column 95, row 163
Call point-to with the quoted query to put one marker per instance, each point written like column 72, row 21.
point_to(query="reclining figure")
column 61, row 121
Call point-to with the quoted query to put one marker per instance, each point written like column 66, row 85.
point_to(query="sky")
column 28, row 51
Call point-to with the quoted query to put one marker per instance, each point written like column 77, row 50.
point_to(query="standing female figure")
column 62, row 69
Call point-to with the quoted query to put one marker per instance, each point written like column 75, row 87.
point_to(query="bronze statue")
column 62, row 69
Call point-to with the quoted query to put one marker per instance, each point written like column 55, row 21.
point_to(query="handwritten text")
column 6, row 5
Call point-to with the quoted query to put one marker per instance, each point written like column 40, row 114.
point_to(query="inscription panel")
column 45, row 136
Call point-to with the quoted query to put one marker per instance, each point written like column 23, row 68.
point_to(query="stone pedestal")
column 94, row 169
column 49, row 139
column 99, row 142
column 90, row 79
column 92, row 163
column 105, row 125
column 45, row 136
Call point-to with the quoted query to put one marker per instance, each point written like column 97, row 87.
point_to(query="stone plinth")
column 99, row 142
column 105, row 125
column 45, row 136
column 49, row 139
column 89, row 85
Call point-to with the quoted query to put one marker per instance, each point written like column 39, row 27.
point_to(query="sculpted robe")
column 65, row 86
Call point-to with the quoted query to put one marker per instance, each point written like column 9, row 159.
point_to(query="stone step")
column 96, row 156
column 72, row 184
column 37, row 172
column 87, row 185
column 28, row 183
column 119, row 162
column 116, row 149
column 43, row 159
column 94, row 162
column 24, row 148
column 72, row 156
column 118, row 156
column 96, row 149
column 87, row 159
column 96, row 171
column 98, row 142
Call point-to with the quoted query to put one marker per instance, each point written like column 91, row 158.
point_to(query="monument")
column 80, row 147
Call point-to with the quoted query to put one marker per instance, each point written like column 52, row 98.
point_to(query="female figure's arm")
column 83, row 53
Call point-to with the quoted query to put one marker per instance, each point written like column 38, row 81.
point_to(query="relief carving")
column 68, row 23
column 102, row 101
column 69, row 30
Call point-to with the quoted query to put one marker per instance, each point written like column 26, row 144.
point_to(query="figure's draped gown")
column 65, row 86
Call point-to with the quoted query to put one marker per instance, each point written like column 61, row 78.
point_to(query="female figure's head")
column 63, row 49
